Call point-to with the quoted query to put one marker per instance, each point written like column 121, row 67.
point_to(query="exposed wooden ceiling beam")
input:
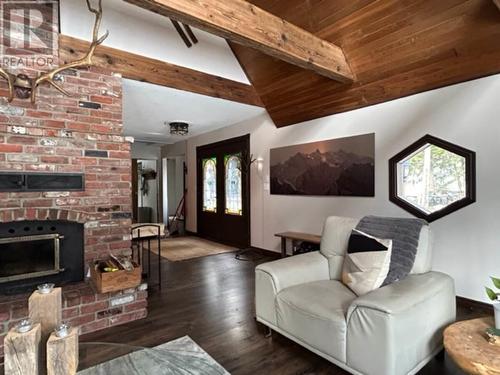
column 145, row 69
column 246, row 24
column 497, row 2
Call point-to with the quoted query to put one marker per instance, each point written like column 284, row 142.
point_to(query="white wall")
column 142, row 150
column 467, row 242
column 176, row 149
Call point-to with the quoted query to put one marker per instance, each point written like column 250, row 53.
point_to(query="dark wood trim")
column 134, row 191
column 478, row 306
column 470, row 177
column 159, row 190
column 145, row 69
column 224, row 142
column 185, row 190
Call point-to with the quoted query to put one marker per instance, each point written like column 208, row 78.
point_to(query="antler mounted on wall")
column 24, row 87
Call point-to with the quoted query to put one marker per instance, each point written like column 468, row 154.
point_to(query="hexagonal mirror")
column 432, row 178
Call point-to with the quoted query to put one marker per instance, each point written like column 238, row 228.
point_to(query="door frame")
column 135, row 189
column 199, row 184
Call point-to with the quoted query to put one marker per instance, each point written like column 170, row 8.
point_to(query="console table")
column 296, row 236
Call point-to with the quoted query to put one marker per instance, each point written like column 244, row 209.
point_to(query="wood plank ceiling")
column 395, row 48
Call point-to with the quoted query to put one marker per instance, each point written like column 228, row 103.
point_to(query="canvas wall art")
column 335, row 167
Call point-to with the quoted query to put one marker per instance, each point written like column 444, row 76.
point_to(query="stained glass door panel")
column 233, row 185
column 210, row 185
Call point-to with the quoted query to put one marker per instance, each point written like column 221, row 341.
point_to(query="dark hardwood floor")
column 211, row 299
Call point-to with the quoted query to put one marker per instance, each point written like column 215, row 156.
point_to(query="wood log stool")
column 22, row 352
column 62, row 353
column 46, row 309
column 467, row 344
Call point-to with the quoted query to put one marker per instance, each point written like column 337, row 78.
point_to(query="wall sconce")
column 260, row 166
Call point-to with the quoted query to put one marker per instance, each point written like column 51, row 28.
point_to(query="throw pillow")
column 366, row 263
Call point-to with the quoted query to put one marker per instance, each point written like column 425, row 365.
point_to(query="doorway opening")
column 145, row 191
column 174, row 194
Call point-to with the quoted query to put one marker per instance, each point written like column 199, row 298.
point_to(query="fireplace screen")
column 28, row 257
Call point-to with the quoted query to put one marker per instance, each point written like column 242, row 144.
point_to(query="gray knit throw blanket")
column 404, row 233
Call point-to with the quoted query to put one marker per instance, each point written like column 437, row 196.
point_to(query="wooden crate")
column 115, row 281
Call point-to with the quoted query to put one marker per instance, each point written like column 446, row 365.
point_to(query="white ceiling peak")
column 145, row 33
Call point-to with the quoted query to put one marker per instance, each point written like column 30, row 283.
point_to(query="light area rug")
column 182, row 248
column 179, row 357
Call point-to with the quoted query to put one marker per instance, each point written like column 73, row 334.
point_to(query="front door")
column 223, row 181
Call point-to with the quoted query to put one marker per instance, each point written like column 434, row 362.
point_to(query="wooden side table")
column 467, row 344
column 296, row 236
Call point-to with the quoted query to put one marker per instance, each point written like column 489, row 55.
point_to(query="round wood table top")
column 466, row 342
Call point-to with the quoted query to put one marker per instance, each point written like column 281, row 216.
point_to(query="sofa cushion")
column 315, row 313
column 366, row 263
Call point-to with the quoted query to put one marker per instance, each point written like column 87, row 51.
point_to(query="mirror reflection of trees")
column 432, row 178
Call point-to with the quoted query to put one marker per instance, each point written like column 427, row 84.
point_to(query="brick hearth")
column 61, row 134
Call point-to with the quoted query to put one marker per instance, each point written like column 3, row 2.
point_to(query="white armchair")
column 393, row 330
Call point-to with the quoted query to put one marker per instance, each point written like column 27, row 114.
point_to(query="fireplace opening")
column 29, row 256
column 35, row 252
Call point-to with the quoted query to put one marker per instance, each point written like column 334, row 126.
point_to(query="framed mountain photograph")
column 335, row 167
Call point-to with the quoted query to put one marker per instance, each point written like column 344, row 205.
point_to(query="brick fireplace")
column 81, row 134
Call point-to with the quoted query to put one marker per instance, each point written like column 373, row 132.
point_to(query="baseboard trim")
column 267, row 253
column 471, row 304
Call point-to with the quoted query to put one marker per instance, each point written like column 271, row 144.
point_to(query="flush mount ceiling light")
column 179, row 128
